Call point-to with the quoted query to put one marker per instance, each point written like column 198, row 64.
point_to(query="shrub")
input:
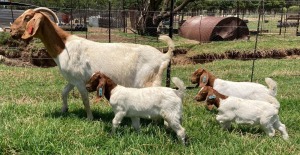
column 4, row 36
column 294, row 9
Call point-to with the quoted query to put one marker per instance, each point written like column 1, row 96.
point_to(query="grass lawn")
column 31, row 121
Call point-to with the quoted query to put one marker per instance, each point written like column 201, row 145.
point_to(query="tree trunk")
column 146, row 26
column 149, row 21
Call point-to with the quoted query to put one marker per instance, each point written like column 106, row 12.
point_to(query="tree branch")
column 163, row 14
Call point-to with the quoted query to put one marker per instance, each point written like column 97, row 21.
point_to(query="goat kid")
column 131, row 65
column 136, row 103
column 245, row 90
column 243, row 111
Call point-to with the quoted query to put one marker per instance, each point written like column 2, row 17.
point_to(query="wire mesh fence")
column 120, row 24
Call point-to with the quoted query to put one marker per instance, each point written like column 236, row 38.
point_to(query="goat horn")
column 44, row 9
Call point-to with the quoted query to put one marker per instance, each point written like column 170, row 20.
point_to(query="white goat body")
column 150, row 103
column 136, row 103
column 131, row 65
column 77, row 58
column 252, row 112
column 245, row 90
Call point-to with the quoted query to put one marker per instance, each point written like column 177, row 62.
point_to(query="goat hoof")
column 90, row 118
column 64, row 110
column 186, row 141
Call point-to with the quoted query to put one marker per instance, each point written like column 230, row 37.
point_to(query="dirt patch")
column 20, row 53
column 39, row 57
column 277, row 54
column 33, row 54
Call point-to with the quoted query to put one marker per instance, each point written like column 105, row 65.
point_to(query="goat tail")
column 179, row 83
column 272, row 86
column 170, row 43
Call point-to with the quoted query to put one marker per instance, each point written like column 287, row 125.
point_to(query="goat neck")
column 109, row 86
column 53, row 37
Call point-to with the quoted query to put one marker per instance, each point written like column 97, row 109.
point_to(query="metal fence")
column 106, row 24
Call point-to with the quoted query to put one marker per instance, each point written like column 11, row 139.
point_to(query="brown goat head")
column 93, row 82
column 97, row 83
column 200, row 76
column 201, row 95
column 27, row 25
column 102, row 84
column 207, row 93
column 196, row 76
column 19, row 26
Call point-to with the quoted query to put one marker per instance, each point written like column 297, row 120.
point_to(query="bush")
column 4, row 36
column 294, row 9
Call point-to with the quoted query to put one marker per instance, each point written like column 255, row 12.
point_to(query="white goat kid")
column 136, row 103
column 243, row 111
column 131, row 65
column 245, row 90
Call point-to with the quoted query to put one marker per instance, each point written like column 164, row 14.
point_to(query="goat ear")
column 100, row 92
column 101, row 88
column 32, row 26
column 210, row 101
column 203, row 79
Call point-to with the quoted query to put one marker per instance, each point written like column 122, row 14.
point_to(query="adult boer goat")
column 130, row 65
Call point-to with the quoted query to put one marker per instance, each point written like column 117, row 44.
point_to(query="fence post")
column 109, row 14
column 297, row 23
column 86, row 18
column 170, row 35
column 281, row 17
column 255, row 48
column 71, row 17
column 12, row 13
column 124, row 16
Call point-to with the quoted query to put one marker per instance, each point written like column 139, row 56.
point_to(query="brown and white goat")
column 131, row 65
column 243, row 111
column 245, row 90
column 136, row 103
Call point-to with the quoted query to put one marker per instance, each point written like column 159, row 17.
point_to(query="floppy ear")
column 101, row 88
column 32, row 26
column 210, row 101
column 203, row 79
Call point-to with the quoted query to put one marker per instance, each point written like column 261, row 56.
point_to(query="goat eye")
column 27, row 18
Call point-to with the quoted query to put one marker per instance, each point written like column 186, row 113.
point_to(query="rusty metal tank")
column 207, row 29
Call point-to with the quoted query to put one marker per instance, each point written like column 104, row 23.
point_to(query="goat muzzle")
column 199, row 98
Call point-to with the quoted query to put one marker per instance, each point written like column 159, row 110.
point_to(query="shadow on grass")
column 81, row 114
column 107, row 117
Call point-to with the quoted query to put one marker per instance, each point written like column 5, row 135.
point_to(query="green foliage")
column 4, row 36
column 265, row 43
column 294, row 9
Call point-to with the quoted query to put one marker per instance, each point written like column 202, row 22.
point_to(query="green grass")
column 265, row 43
column 31, row 121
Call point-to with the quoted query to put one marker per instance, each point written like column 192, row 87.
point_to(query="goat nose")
column 14, row 36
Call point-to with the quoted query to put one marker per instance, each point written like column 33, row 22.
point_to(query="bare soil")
column 19, row 53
